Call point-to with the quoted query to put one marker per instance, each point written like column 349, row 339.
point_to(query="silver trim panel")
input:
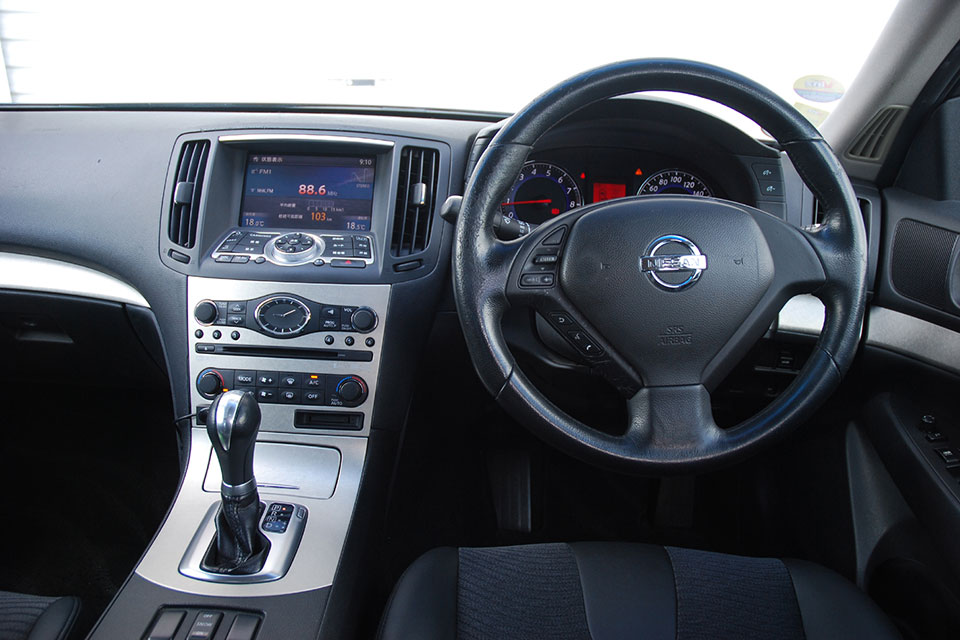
column 802, row 314
column 33, row 273
column 283, row 548
column 913, row 337
column 279, row 417
column 287, row 469
column 305, row 137
column 323, row 537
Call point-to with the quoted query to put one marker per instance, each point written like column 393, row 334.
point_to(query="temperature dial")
column 352, row 391
column 210, row 383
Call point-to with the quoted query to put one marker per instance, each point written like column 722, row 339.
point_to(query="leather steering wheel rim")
column 670, row 429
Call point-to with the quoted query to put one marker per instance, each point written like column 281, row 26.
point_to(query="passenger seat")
column 25, row 617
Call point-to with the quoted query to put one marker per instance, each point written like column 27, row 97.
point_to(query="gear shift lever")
column 239, row 547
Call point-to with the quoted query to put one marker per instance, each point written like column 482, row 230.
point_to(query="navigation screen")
column 308, row 192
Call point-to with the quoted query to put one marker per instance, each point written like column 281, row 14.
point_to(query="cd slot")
column 285, row 352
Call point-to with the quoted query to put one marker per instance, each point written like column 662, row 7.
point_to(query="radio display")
column 330, row 193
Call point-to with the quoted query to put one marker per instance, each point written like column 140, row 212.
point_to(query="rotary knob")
column 363, row 319
column 352, row 390
column 205, row 312
column 210, row 383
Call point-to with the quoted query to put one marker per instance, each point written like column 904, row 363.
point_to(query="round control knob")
column 363, row 319
column 210, row 384
column 352, row 390
column 205, row 312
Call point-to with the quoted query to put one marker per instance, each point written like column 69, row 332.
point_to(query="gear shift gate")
column 244, row 534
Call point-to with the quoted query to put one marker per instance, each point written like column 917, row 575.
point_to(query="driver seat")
column 613, row 591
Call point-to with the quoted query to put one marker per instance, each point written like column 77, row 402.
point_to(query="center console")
column 294, row 246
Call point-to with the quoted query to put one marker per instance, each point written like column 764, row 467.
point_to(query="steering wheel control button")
column 545, row 258
column 935, row 436
column 928, row 423
column 555, row 238
column 562, row 320
column 770, row 172
column 205, row 625
column 771, row 189
column 537, row 280
column 584, row 343
column 673, row 262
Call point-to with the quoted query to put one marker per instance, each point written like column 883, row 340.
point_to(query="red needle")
column 504, row 204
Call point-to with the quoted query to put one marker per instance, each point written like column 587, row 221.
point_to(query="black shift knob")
column 232, row 424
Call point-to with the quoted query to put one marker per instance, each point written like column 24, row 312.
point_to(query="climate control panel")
column 285, row 315
column 270, row 387
column 309, row 352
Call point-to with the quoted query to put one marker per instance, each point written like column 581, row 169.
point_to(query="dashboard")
column 302, row 257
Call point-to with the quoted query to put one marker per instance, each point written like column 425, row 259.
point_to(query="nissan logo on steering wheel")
column 673, row 262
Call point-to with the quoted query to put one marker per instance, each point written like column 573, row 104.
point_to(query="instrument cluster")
column 555, row 181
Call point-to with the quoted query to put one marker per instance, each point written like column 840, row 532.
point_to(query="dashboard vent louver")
column 416, row 200
column 185, row 204
column 874, row 139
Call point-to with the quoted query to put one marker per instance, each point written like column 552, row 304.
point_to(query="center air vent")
column 416, row 199
column 185, row 204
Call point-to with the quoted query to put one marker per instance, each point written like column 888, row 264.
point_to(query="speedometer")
column 674, row 182
column 541, row 191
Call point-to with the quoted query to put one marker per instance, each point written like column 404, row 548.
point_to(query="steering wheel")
column 661, row 295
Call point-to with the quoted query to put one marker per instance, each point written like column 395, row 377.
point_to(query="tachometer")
column 674, row 182
column 541, row 191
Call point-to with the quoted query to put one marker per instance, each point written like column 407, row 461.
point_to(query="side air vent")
column 874, row 139
column 416, row 200
column 185, row 204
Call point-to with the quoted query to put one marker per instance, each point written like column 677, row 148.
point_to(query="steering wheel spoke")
column 533, row 282
column 675, row 420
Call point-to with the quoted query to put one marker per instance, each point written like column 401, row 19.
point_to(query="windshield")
column 486, row 56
